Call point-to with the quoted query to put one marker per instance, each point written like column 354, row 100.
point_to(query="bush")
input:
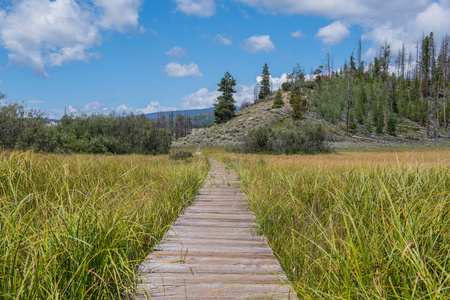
column 181, row 155
column 391, row 125
column 286, row 86
column 304, row 137
column 278, row 102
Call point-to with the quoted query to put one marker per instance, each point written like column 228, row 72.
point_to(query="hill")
column 229, row 133
column 232, row 132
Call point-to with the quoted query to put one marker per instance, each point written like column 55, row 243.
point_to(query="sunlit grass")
column 76, row 226
column 355, row 225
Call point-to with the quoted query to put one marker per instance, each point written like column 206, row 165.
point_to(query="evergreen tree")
column 298, row 104
column 224, row 108
column 265, row 83
column 278, row 102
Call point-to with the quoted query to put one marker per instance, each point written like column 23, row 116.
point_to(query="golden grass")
column 355, row 225
column 77, row 226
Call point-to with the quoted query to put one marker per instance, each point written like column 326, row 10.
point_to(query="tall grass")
column 355, row 226
column 75, row 227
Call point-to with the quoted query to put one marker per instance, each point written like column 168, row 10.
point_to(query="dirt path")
column 212, row 251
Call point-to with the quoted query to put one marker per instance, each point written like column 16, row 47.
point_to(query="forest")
column 387, row 92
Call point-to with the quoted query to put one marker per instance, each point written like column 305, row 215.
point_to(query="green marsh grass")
column 77, row 226
column 355, row 225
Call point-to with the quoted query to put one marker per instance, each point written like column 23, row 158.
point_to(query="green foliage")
column 298, row 104
column 278, row 102
column 224, row 108
column 391, row 125
column 265, row 83
column 301, row 137
column 28, row 129
column 181, row 155
column 286, row 86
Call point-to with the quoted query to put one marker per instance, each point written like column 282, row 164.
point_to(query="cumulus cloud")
column 381, row 20
column 200, row 8
column 120, row 15
column 98, row 107
column 41, row 33
column 175, row 69
column 334, row 33
column 258, row 43
column 154, row 106
column 203, row 98
column 105, row 108
column 176, row 52
column 220, row 39
column 297, row 34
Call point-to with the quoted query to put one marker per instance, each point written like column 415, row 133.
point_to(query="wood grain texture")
column 212, row 251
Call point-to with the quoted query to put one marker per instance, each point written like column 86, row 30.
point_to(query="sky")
column 144, row 56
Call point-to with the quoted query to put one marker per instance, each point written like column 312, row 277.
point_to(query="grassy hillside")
column 361, row 136
column 229, row 133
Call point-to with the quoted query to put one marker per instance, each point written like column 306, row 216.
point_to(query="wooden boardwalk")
column 213, row 252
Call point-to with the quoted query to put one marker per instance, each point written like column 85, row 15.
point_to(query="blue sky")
column 141, row 56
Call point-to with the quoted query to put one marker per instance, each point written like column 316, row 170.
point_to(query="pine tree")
column 224, row 108
column 278, row 102
column 298, row 104
column 265, row 83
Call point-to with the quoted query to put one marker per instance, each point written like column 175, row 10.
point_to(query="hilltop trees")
column 383, row 95
column 265, row 83
column 224, row 108
column 278, row 102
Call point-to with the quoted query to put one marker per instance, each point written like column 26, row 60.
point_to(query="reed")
column 355, row 225
column 77, row 226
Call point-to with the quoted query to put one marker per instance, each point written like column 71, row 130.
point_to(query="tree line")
column 389, row 89
column 23, row 129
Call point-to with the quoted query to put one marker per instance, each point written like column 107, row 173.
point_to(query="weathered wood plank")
column 212, row 251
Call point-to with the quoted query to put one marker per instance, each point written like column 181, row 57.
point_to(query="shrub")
column 305, row 137
column 391, row 125
column 278, row 102
column 181, row 155
column 286, row 86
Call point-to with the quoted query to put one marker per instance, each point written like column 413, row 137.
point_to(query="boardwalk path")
column 212, row 251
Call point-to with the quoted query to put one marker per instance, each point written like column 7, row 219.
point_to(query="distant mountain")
column 200, row 118
column 189, row 112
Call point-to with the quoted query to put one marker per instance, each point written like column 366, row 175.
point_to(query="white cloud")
column 334, row 33
column 381, row 20
column 203, row 98
column 297, row 34
column 220, row 39
column 103, row 107
column 174, row 69
column 176, row 52
column 120, row 15
column 153, row 107
column 200, row 8
column 41, row 33
column 258, row 43
column 1, row 81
